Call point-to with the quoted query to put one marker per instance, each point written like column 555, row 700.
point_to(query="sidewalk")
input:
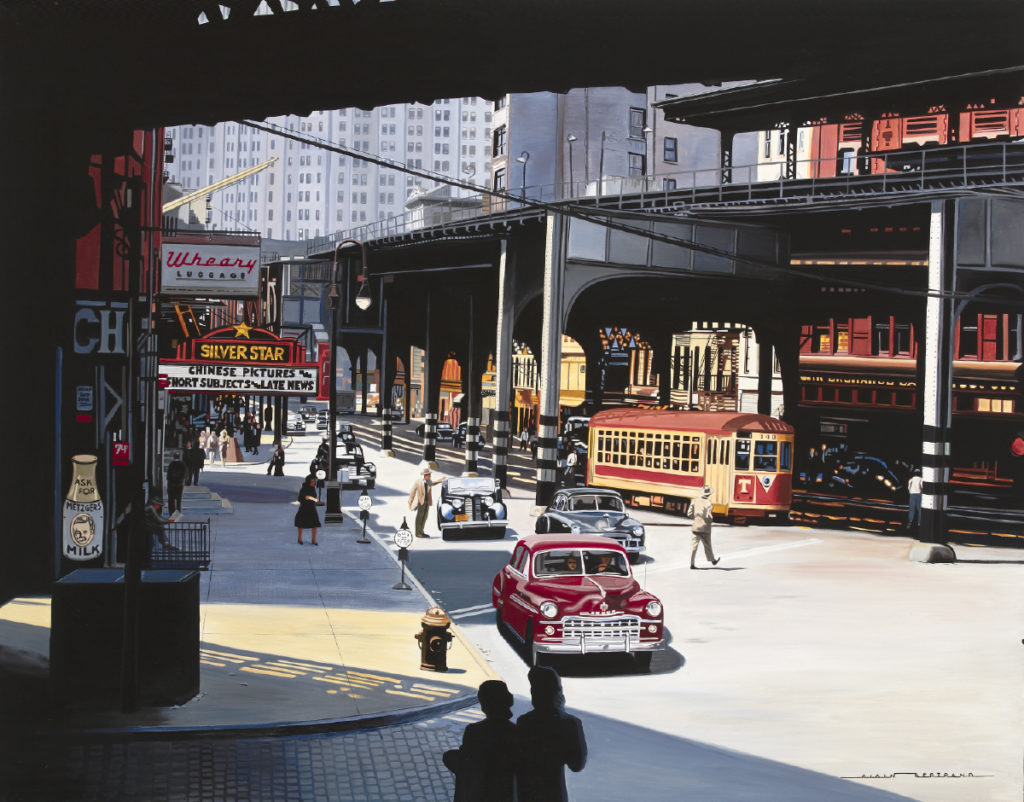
column 295, row 638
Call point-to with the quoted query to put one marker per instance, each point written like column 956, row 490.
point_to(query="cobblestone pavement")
column 390, row 764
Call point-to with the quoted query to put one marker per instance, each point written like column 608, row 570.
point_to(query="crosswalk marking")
column 796, row 544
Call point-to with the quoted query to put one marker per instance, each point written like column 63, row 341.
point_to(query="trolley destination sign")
column 241, row 359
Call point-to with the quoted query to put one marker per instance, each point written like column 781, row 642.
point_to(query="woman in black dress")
column 306, row 517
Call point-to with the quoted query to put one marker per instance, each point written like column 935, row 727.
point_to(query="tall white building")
column 310, row 191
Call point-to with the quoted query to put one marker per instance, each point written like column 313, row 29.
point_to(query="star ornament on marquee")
column 242, row 330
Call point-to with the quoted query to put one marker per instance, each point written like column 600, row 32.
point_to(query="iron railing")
column 188, row 546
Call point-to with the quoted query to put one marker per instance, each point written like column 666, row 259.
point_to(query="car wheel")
column 643, row 660
column 499, row 621
column 531, row 649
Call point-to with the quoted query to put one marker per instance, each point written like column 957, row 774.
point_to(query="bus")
column 663, row 458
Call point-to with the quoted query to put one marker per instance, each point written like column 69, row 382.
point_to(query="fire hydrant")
column 435, row 640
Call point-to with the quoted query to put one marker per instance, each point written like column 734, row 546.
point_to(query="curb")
column 353, row 723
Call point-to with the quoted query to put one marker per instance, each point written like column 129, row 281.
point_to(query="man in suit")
column 421, row 499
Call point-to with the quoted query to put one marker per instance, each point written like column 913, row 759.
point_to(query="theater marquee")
column 241, row 359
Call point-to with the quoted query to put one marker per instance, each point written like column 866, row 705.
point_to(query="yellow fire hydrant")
column 435, row 640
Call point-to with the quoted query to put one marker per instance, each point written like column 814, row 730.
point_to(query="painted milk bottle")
column 83, row 512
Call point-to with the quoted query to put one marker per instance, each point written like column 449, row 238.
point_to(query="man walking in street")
column 914, row 488
column 420, row 498
column 194, row 459
column 702, row 511
column 176, row 472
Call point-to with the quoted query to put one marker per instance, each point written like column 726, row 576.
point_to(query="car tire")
column 532, row 656
column 643, row 661
column 499, row 620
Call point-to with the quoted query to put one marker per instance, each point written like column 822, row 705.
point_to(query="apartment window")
column 499, row 180
column 501, row 102
column 637, row 164
column 500, row 143
column 668, row 183
column 671, row 149
column 637, row 123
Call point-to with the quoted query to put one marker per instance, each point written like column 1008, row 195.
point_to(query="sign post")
column 403, row 539
column 365, row 504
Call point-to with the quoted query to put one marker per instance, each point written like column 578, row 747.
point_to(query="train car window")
column 765, row 455
column 743, row 455
column 785, row 457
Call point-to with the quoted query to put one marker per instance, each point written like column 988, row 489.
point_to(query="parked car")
column 864, row 475
column 461, row 432
column 471, row 505
column 575, row 594
column 445, row 431
column 593, row 510
column 308, row 412
column 349, row 456
column 296, row 423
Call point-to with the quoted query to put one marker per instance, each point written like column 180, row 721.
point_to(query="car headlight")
column 497, row 510
column 548, row 609
column 575, row 529
column 638, row 531
column 371, row 468
column 653, row 608
column 446, row 511
column 457, row 503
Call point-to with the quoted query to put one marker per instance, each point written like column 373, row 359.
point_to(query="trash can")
column 87, row 637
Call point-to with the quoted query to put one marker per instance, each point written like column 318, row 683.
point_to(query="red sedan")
column 575, row 594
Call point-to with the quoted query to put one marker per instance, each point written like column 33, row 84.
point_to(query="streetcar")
column 663, row 458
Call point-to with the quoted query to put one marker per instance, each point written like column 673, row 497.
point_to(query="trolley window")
column 743, row 454
column 785, row 457
column 766, row 455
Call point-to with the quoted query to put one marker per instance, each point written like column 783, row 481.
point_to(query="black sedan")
column 445, row 431
column 471, row 505
column 593, row 511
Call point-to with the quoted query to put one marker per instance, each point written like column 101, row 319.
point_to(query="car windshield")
column 584, row 503
column 574, row 562
column 471, row 485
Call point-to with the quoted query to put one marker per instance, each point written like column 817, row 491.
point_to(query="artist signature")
column 918, row 774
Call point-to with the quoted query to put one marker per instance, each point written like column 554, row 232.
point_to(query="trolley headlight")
column 653, row 608
column 548, row 609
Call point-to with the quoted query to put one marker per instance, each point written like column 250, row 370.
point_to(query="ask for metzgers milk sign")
column 210, row 265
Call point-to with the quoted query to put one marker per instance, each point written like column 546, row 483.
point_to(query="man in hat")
column 485, row 763
column 549, row 739
column 420, row 498
column 702, row 510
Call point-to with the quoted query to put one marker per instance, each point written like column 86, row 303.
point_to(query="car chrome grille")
column 596, row 628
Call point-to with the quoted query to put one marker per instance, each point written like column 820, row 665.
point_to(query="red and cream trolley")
column 663, row 458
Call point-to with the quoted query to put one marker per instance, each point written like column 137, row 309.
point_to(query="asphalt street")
column 810, row 664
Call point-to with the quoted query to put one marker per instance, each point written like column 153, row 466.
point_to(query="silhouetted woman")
column 306, row 517
column 485, row 764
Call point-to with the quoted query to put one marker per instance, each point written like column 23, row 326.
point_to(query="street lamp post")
column 523, row 158
column 648, row 163
column 572, row 178
column 332, row 510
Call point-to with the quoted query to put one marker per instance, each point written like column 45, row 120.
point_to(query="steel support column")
column 503, row 361
column 551, row 358
column 938, row 373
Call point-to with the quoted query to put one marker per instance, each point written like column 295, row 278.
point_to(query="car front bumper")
column 588, row 645
column 489, row 524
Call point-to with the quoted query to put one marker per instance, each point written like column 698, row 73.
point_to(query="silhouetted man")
column 484, row 765
column 549, row 739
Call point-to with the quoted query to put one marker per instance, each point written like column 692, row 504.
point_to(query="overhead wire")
column 601, row 216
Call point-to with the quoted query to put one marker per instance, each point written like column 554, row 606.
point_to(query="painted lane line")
column 745, row 553
column 473, row 608
column 460, row 616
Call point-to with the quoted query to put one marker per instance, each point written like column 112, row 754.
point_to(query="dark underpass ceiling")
column 143, row 64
